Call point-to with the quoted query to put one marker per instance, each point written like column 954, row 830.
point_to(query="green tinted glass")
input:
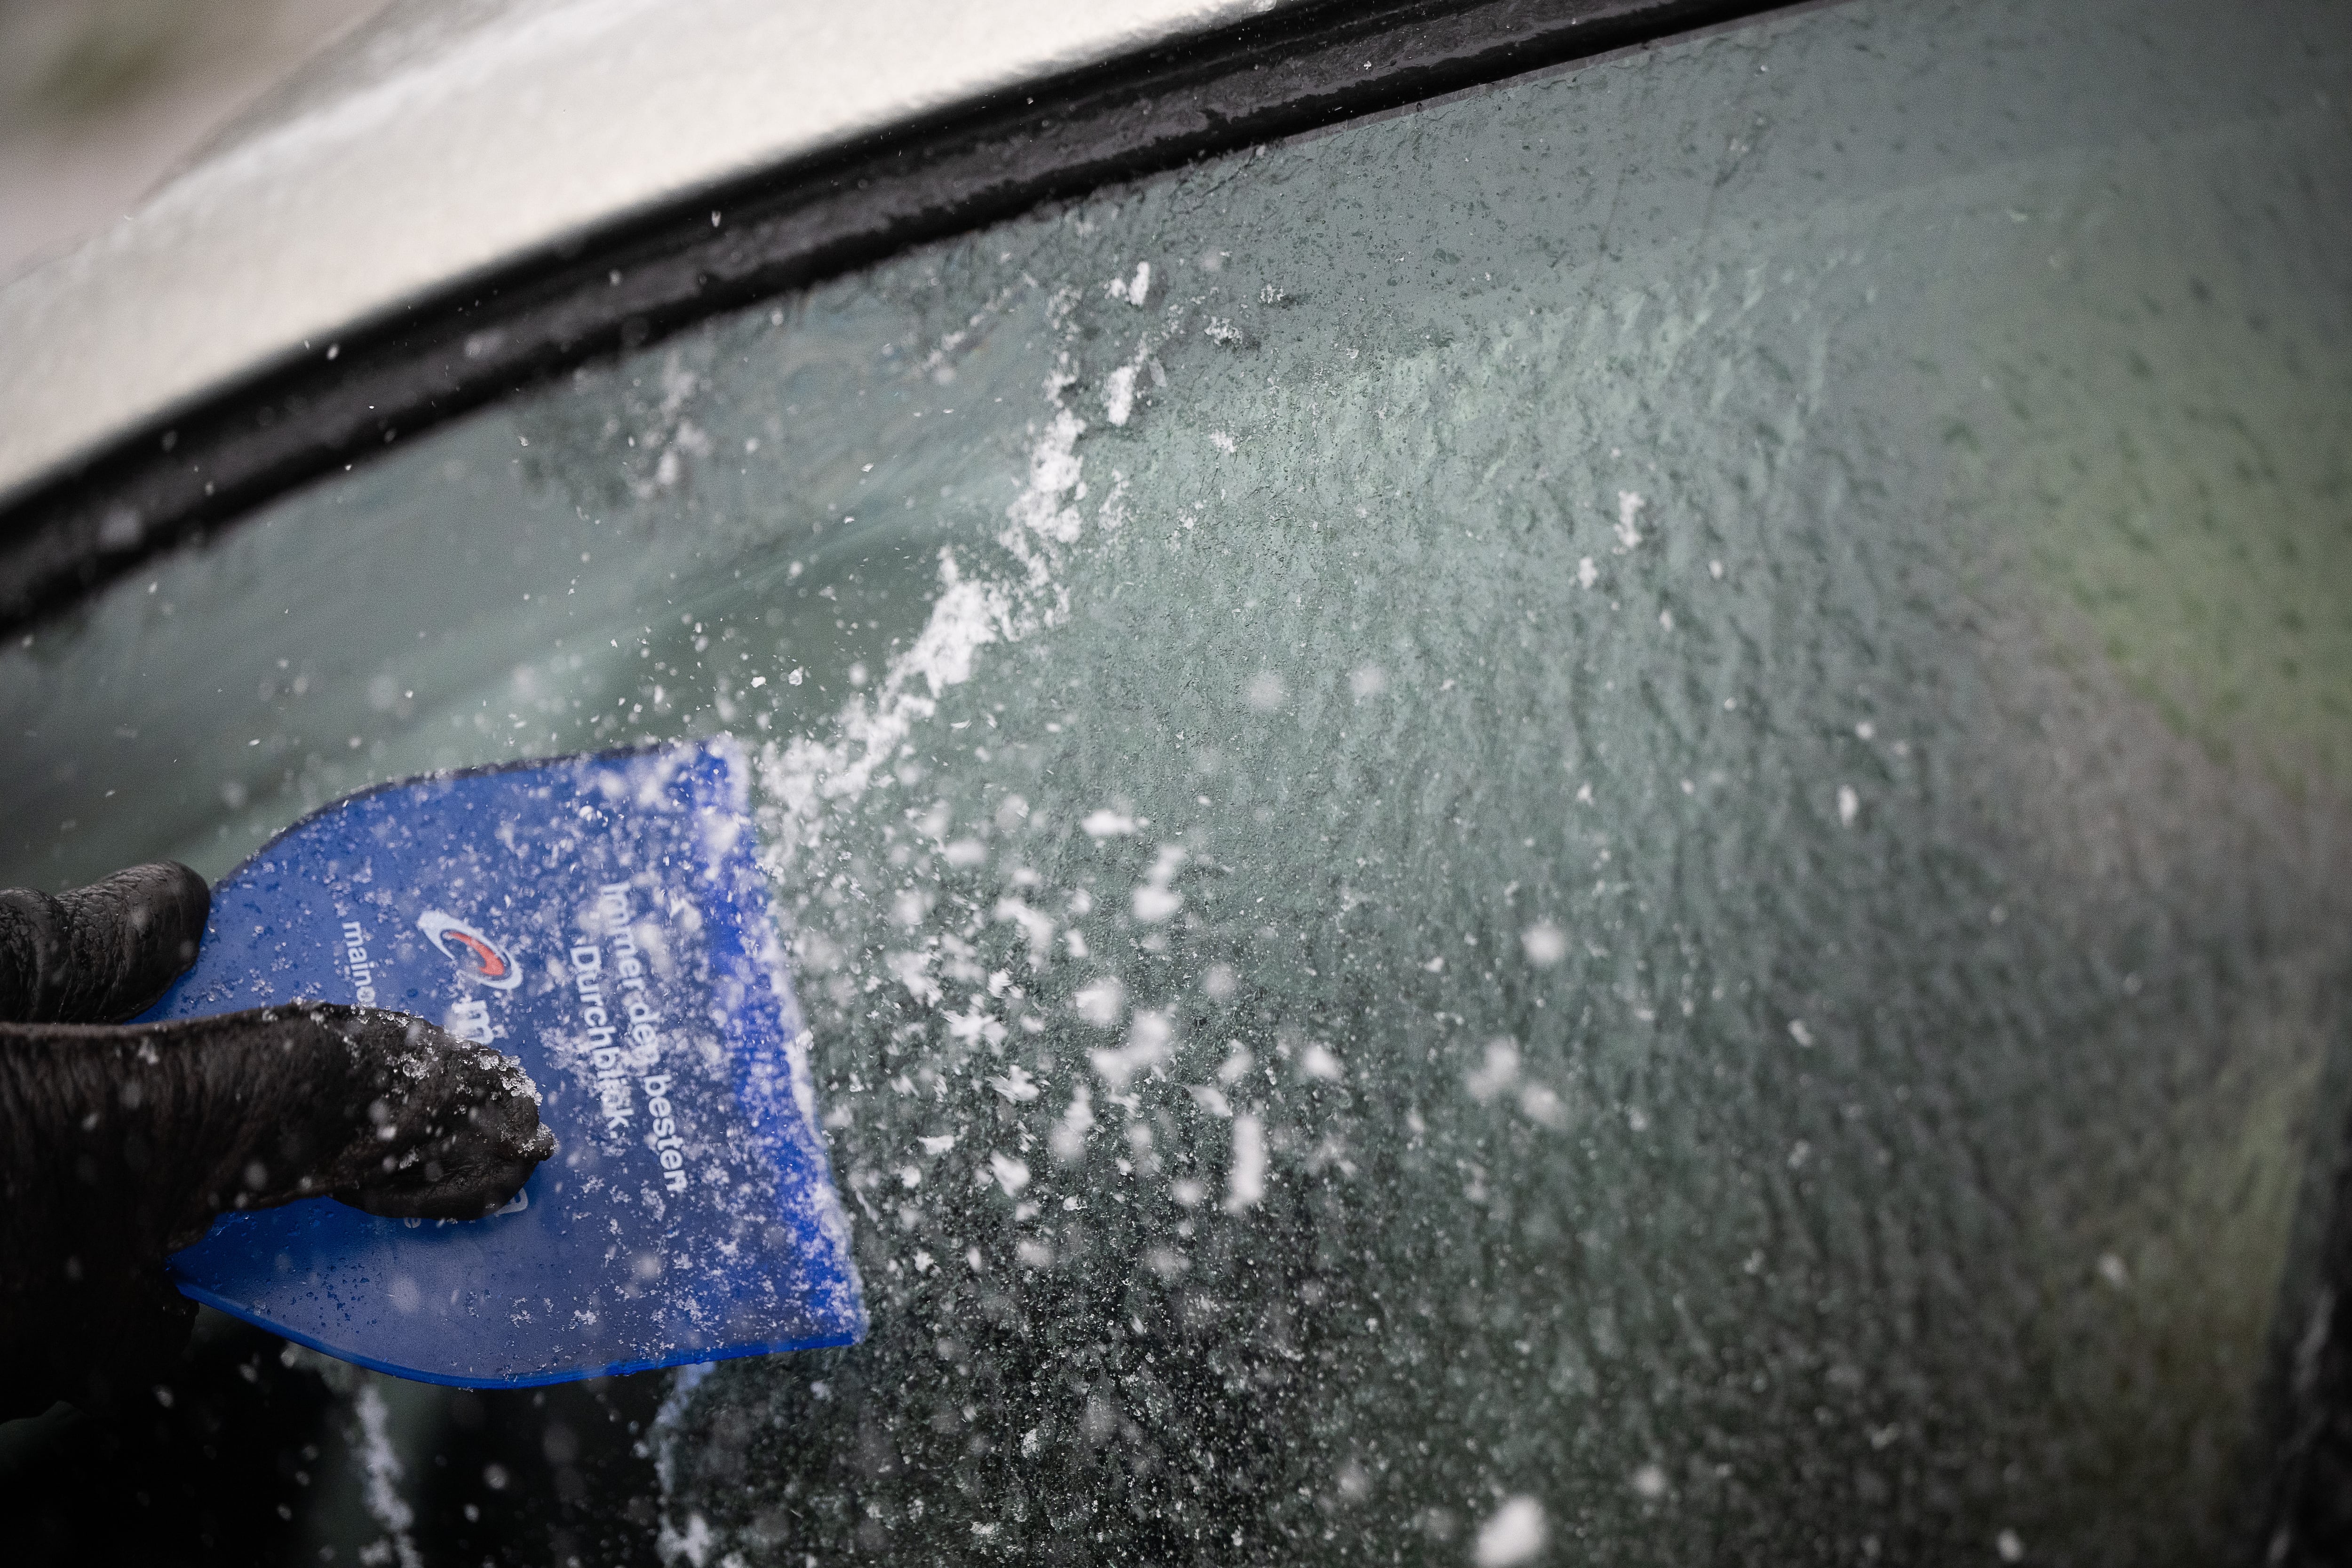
column 1606, row 820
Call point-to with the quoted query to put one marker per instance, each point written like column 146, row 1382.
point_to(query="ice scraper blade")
column 604, row 919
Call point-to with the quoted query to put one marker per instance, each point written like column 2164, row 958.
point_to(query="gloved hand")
column 120, row 1144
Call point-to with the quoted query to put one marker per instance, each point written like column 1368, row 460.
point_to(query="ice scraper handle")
column 119, row 1143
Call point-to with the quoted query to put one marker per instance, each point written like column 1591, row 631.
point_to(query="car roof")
column 455, row 135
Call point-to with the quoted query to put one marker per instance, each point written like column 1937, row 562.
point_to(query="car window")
column 1605, row 819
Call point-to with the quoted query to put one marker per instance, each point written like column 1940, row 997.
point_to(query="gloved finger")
column 141, row 1133
column 119, row 1145
column 94, row 955
column 454, row 1131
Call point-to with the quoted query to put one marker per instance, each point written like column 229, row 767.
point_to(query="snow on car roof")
column 455, row 135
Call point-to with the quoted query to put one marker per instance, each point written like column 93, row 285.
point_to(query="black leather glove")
column 120, row 1144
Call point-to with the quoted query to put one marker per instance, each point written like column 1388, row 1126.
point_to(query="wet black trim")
column 1297, row 70
column 2300, row 1477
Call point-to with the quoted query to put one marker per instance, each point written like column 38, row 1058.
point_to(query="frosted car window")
column 1611, row 816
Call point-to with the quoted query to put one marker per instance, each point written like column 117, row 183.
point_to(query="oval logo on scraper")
column 473, row 953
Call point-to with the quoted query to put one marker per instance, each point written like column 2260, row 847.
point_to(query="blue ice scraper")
column 604, row 919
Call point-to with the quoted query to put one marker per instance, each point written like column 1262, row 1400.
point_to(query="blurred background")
column 101, row 99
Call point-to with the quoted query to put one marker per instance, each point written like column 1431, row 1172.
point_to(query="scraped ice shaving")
column 1154, row 901
column 975, row 1025
column 1054, row 466
column 1011, row 1173
column 1317, row 1061
column 1134, row 290
column 1213, row 1101
column 1496, row 1073
column 912, row 970
column 1036, row 927
column 1068, row 1138
column 384, row 1503
column 1017, row 1085
column 1542, row 1106
column 1629, row 509
column 665, row 1422
column 1245, row 1181
column 1119, row 393
column 1146, row 1049
column 1100, row 1001
column 1515, row 1533
column 693, row 1542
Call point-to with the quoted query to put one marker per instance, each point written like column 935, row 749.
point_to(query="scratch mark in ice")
column 805, row 774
